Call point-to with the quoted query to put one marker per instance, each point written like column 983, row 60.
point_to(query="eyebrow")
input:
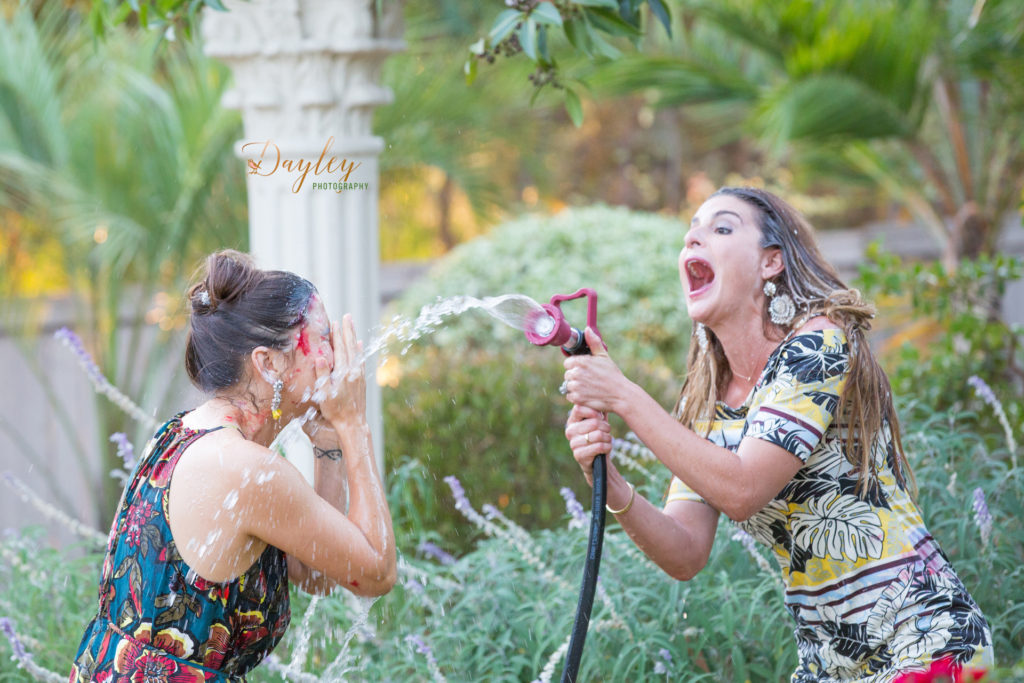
column 717, row 214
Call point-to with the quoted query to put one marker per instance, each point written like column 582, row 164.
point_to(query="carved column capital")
column 306, row 70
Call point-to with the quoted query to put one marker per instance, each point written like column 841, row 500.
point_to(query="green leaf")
column 96, row 21
column 217, row 5
column 573, row 107
column 546, row 13
column 144, row 16
column 528, row 38
column 542, row 44
column 603, row 46
column 611, row 23
column 661, row 13
column 504, row 24
column 469, row 68
column 610, row 4
column 578, row 33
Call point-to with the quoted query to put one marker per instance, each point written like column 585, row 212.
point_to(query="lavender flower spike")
column 102, row 384
column 983, row 390
column 20, row 654
column 575, row 510
column 424, row 649
column 435, row 551
column 74, row 342
column 982, row 516
column 461, row 502
column 125, row 451
column 986, row 394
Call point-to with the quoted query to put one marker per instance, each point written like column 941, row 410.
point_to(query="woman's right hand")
column 341, row 390
column 589, row 435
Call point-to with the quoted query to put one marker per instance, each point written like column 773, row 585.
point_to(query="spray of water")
column 515, row 310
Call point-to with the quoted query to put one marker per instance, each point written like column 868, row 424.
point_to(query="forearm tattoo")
column 330, row 453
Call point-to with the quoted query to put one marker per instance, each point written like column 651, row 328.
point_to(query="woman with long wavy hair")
column 785, row 423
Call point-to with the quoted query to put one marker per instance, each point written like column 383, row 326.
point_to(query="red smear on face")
column 303, row 340
column 354, row 584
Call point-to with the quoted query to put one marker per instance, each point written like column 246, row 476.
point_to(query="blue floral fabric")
column 160, row 622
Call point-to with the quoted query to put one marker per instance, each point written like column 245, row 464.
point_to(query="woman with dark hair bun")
column 213, row 524
column 785, row 423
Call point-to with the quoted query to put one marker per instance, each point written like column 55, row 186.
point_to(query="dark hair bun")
column 229, row 274
column 235, row 308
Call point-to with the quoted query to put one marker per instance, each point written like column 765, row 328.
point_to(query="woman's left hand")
column 595, row 381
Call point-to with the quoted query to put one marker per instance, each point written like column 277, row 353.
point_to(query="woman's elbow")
column 685, row 571
column 379, row 582
column 374, row 588
column 742, row 508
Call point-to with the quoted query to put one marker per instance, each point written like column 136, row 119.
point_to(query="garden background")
column 533, row 148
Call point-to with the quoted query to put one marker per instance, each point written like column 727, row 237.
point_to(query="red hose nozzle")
column 550, row 328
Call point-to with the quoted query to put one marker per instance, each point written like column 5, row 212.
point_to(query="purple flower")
column 435, row 551
column 74, row 342
column 461, row 502
column 124, row 449
column 745, row 539
column 983, row 390
column 663, row 667
column 422, row 648
column 575, row 510
column 20, row 654
column 982, row 517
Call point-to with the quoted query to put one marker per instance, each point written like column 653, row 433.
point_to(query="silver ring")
column 587, row 436
column 564, row 388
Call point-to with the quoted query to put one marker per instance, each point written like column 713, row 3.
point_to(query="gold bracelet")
column 632, row 497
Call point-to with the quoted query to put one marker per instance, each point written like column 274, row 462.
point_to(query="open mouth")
column 699, row 275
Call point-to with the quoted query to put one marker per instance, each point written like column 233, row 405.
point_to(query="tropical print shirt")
column 160, row 622
column 870, row 590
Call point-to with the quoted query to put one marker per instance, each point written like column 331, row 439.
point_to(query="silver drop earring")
column 780, row 306
column 275, row 403
column 702, row 336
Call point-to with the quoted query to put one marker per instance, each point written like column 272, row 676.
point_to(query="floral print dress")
column 158, row 621
column 870, row 590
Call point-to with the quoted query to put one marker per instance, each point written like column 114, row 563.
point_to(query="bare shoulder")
column 224, row 461
column 815, row 324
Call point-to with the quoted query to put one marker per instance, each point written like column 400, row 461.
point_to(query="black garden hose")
column 590, row 568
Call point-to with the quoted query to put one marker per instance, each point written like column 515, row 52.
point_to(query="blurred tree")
column 118, row 158
column 922, row 98
column 450, row 140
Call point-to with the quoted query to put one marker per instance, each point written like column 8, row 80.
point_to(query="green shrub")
column 476, row 399
column 952, row 331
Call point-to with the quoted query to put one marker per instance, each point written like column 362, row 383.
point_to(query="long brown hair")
column 866, row 405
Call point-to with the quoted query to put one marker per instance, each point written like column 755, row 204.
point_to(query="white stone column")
column 306, row 81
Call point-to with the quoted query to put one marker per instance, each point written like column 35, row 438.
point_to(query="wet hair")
column 866, row 405
column 237, row 307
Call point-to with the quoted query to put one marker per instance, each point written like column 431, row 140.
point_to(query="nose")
column 692, row 237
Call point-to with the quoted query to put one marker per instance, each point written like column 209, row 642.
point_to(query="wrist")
column 349, row 423
column 625, row 403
